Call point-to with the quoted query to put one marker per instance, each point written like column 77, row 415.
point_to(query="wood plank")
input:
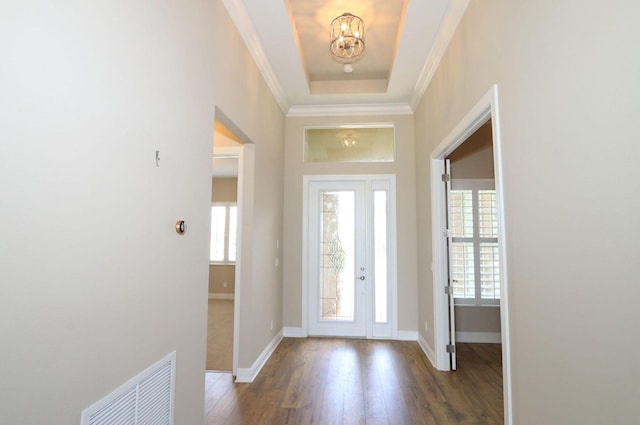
column 361, row 382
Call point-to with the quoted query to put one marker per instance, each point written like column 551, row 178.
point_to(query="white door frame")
column 392, row 243
column 486, row 108
column 246, row 167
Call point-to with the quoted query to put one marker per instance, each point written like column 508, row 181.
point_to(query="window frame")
column 225, row 261
column 475, row 186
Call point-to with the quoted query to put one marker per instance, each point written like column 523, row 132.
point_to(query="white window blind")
column 474, row 259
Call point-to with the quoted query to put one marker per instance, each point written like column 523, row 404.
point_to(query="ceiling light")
column 347, row 38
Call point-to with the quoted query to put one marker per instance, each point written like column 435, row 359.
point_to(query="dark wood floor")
column 348, row 381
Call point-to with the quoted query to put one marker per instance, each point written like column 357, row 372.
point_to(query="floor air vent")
column 147, row 399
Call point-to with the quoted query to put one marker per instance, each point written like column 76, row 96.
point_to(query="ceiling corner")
column 447, row 28
column 240, row 16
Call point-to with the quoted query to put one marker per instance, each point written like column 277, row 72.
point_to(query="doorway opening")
column 222, row 249
column 231, row 197
column 485, row 112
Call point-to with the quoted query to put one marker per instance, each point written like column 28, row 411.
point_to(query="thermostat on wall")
column 180, row 227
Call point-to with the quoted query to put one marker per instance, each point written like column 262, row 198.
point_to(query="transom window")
column 224, row 223
column 473, row 251
column 350, row 143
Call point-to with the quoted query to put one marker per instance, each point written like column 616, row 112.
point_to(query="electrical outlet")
column 426, row 326
column 277, row 262
column 271, row 324
column 224, row 284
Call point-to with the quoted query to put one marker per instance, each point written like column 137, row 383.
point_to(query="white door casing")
column 364, row 266
column 486, row 108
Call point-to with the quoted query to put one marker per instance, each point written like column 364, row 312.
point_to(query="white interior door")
column 451, row 347
column 351, row 257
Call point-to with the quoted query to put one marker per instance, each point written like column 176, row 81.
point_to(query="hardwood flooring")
column 361, row 382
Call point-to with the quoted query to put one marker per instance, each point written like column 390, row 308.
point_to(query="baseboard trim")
column 220, row 296
column 431, row 355
column 290, row 332
column 407, row 336
column 479, row 337
column 247, row 375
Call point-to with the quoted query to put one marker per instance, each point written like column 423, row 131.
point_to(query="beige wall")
column 568, row 93
column 474, row 158
column 223, row 190
column 245, row 100
column 403, row 168
column 91, row 265
column 477, row 319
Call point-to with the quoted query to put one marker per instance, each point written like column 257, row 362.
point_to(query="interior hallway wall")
column 246, row 100
column 568, row 96
column 92, row 266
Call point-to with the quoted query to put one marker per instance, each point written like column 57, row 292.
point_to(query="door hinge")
column 446, row 233
column 451, row 348
column 448, row 290
column 446, row 177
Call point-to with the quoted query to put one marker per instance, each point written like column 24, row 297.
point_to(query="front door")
column 351, row 278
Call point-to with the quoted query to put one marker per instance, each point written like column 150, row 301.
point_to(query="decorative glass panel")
column 380, row 254
column 350, row 144
column 337, row 238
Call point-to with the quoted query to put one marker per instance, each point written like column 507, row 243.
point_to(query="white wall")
column 568, row 94
column 95, row 284
column 403, row 168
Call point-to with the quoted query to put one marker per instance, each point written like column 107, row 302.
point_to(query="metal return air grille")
column 147, row 399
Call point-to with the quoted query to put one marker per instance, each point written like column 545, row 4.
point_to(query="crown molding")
column 349, row 110
column 448, row 27
column 240, row 16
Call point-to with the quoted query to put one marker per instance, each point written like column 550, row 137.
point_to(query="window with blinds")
column 224, row 219
column 473, row 245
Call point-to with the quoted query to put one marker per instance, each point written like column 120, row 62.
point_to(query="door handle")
column 361, row 277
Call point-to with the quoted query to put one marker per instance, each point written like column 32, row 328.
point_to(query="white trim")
column 427, row 350
column 447, row 29
column 249, row 374
column 349, row 110
column 407, row 336
column 228, row 151
column 290, row 332
column 486, row 108
column 244, row 198
column 240, row 16
column 479, row 337
column 221, row 296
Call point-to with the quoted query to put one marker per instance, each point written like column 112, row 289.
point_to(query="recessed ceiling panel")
column 311, row 20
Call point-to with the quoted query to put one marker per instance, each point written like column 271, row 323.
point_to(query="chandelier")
column 347, row 38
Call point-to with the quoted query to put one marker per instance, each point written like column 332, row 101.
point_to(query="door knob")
column 361, row 277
